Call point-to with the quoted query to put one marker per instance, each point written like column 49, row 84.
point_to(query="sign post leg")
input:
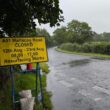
column 36, row 82
column 12, row 83
column 40, row 81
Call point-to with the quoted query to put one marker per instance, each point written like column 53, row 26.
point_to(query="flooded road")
column 78, row 82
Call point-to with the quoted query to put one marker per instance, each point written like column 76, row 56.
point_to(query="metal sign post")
column 36, row 82
column 12, row 83
column 40, row 81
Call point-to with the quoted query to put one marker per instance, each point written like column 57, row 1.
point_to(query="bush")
column 71, row 47
column 93, row 47
column 86, row 48
column 67, row 46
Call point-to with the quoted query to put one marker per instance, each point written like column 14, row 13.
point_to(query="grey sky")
column 95, row 12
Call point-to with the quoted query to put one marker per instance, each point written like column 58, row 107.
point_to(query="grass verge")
column 24, row 82
column 85, row 54
column 44, row 67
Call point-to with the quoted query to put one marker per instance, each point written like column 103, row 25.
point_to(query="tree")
column 17, row 16
column 75, row 32
column 60, row 35
column 79, row 32
column 103, row 37
column 44, row 33
column 29, row 33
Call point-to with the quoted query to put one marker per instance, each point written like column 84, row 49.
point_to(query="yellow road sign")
column 22, row 50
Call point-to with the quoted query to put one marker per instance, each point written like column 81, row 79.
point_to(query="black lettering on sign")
column 32, row 53
column 29, row 54
column 23, row 44
column 17, row 50
column 35, row 53
column 17, row 55
column 31, row 49
column 40, row 49
column 7, row 50
column 13, row 55
column 37, row 40
column 6, row 40
column 21, row 40
column 37, row 58
column 10, row 61
column 24, row 60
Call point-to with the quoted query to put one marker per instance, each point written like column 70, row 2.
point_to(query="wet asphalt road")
column 78, row 82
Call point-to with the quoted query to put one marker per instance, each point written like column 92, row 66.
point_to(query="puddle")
column 100, row 58
column 79, row 62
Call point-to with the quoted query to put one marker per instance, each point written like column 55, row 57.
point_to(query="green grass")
column 43, row 66
column 85, row 54
column 5, row 98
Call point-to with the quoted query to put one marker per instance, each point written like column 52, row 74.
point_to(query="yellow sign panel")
column 22, row 50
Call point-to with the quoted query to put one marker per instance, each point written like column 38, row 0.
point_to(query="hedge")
column 93, row 47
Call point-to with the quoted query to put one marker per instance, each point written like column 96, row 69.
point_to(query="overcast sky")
column 95, row 12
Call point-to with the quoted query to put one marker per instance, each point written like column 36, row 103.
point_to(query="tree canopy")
column 79, row 32
column 60, row 35
column 102, row 37
column 74, row 32
column 45, row 33
column 17, row 16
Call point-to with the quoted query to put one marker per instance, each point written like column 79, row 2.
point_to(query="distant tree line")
column 78, row 36
column 103, row 37
column 74, row 32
